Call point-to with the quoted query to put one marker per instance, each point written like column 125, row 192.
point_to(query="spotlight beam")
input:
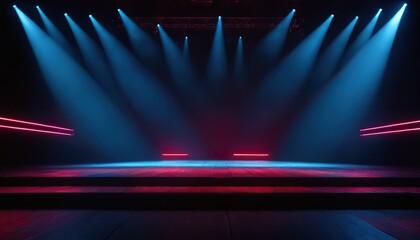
column 239, row 60
column 329, row 59
column 53, row 31
column 271, row 46
column 217, row 66
column 178, row 67
column 186, row 49
column 36, row 130
column 147, row 95
column 146, row 89
column 35, row 124
column 341, row 105
column 283, row 83
column 363, row 37
column 139, row 39
column 93, row 57
column 82, row 99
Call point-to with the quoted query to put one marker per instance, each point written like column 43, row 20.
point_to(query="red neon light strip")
column 390, row 125
column 35, row 130
column 174, row 154
column 390, row 132
column 35, row 124
column 251, row 155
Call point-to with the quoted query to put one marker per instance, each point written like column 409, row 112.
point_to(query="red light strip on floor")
column 35, row 130
column 174, row 154
column 251, row 154
column 36, row 124
column 390, row 132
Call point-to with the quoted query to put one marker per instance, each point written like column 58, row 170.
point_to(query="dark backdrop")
column 24, row 94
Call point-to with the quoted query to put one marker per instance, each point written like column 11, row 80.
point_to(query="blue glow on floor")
column 213, row 163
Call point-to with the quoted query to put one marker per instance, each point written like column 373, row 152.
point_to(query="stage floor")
column 216, row 169
column 221, row 225
column 210, row 185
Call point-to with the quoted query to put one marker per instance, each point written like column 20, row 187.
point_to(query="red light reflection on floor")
column 174, row 154
column 247, row 155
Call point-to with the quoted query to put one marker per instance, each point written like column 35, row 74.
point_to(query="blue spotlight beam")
column 337, row 112
column 139, row 85
column 142, row 43
column 283, row 83
column 239, row 61
column 150, row 99
column 363, row 37
column 268, row 50
column 179, row 67
column 217, row 66
column 330, row 58
column 186, row 49
column 93, row 56
column 96, row 117
column 53, row 31
column 196, row 91
column 187, row 59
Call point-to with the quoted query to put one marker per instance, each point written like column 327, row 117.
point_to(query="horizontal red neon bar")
column 390, row 125
column 174, row 154
column 35, row 130
column 251, row 154
column 36, row 124
column 390, row 132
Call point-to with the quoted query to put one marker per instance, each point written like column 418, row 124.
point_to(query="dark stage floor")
column 214, row 185
column 213, row 169
column 99, row 224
